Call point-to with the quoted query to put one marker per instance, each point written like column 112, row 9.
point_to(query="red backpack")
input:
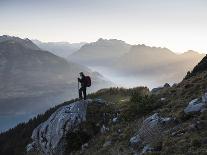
column 88, row 81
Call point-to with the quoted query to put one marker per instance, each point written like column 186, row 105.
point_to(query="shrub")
column 144, row 103
column 140, row 105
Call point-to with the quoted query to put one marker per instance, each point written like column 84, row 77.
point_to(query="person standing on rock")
column 85, row 82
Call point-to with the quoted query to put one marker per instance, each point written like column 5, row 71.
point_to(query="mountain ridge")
column 140, row 61
column 26, row 42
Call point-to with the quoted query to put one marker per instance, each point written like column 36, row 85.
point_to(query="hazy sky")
column 176, row 24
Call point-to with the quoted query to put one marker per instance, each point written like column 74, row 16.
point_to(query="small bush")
column 140, row 105
column 144, row 104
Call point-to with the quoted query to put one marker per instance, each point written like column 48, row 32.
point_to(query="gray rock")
column 125, row 100
column 151, row 130
column 31, row 147
column 194, row 106
column 147, row 149
column 49, row 135
column 162, row 99
column 197, row 105
column 114, row 120
column 119, row 130
column 84, row 147
column 135, row 141
column 104, row 129
column 107, row 143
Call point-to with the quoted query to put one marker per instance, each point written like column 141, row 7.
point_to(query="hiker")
column 85, row 82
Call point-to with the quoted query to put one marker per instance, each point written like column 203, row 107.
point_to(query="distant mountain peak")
column 101, row 51
column 62, row 49
column 110, row 40
column 191, row 52
column 27, row 43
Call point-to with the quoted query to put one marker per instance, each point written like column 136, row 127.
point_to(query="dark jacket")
column 82, row 81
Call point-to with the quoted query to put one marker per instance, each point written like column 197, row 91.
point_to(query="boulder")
column 107, row 143
column 114, row 120
column 147, row 149
column 151, row 131
column 48, row 135
column 135, row 141
column 197, row 105
column 69, row 127
column 162, row 99
column 104, row 129
column 84, row 147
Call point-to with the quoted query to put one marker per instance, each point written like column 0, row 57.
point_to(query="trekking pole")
column 78, row 89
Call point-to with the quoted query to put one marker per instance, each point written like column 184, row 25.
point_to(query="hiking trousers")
column 82, row 93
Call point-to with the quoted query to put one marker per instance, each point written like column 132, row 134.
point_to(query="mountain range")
column 150, row 65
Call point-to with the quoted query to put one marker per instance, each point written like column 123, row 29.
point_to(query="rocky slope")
column 122, row 121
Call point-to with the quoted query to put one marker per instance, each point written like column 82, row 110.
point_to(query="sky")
column 179, row 25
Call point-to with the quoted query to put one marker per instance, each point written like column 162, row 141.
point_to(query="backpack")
column 88, row 81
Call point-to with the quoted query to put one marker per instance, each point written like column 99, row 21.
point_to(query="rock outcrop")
column 150, row 131
column 197, row 105
column 51, row 136
column 48, row 135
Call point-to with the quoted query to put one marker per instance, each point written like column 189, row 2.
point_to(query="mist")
column 126, row 81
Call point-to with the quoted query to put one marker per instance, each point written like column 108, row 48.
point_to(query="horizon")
column 189, row 50
column 177, row 25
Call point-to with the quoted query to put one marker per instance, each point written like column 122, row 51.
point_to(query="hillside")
column 199, row 68
column 25, row 42
column 34, row 80
column 174, row 123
